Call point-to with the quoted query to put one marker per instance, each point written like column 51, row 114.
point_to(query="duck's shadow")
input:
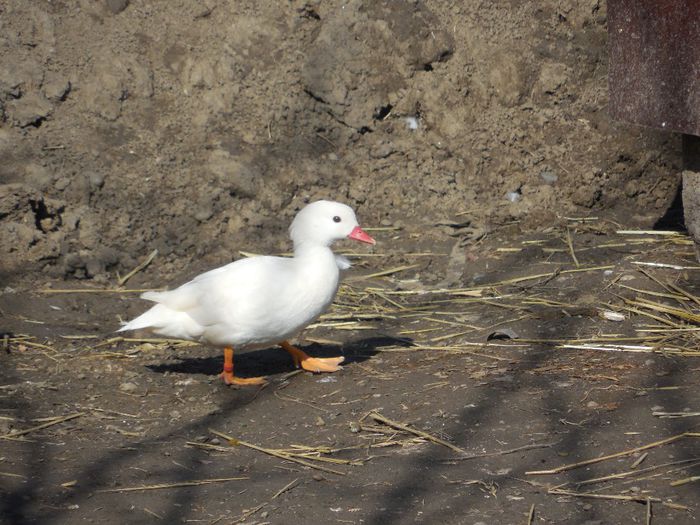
column 275, row 360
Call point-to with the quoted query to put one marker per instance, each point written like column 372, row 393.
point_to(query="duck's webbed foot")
column 312, row 364
column 230, row 379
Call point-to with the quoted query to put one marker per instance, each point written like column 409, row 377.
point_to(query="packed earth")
column 520, row 346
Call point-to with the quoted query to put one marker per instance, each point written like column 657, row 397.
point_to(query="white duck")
column 256, row 302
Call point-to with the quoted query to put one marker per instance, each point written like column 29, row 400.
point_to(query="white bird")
column 260, row 301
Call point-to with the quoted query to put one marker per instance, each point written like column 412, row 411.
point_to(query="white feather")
column 343, row 262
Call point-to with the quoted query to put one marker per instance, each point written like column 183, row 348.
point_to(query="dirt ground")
column 503, row 325
column 517, row 370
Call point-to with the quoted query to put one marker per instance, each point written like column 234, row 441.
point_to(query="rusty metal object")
column 654, row 71
column 691, row 188
column 654, row 79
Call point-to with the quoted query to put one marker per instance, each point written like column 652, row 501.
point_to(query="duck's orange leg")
column 227, row 374
column 312, row 364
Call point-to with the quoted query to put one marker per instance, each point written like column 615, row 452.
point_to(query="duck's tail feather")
column 166, row 321
column 156, row 317
column 155, row 297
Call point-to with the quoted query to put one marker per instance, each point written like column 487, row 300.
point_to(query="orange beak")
column 358, row 234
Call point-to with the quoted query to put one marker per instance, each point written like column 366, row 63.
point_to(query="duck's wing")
column 171, row 314
column 237, row 292
column 188, row 295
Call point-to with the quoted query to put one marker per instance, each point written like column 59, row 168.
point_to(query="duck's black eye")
column 336, row 219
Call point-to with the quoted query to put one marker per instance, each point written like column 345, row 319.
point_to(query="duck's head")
column 324, row 222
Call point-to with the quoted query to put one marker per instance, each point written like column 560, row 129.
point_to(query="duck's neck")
column 312, row 251
column 316, row 264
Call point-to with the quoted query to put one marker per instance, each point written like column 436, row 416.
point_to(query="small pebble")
column 128, row 387
column 97, row 180
column 411, row 123
column 548, row 176
column 117, row 6
column 215, row 441
column 354, row 427
column 513, row 196
column 320, row 422
column 318, row 477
